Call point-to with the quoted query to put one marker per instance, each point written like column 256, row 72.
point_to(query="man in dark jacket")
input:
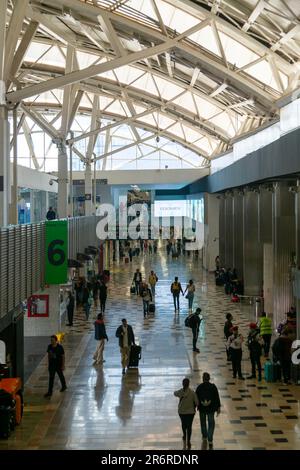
column 194, row 321
column 137, row 279
column 102, row 295
column 255, row 344
column 227, row 332
column 56, row 364
column 126, row 340
column 101, row 336
column 50, row 214
column 209, row 404
column 282, row 351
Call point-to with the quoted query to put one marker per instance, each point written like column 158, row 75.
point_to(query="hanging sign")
column 56, row 263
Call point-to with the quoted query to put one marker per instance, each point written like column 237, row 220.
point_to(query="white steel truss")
column 199, row 73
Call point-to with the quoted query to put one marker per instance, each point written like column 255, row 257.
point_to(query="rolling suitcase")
column 272, row 372
column 126, row 260
column 151, row 307
column 132, row 289
column 135, row 356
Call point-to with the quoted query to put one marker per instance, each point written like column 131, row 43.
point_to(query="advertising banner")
column 56, row 264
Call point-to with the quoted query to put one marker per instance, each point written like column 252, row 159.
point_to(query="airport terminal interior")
column 143, row 141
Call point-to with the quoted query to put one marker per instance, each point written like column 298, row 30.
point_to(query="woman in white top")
column 186, row 409
column 190, row 288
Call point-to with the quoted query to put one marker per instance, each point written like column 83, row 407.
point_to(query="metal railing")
column 253, row 305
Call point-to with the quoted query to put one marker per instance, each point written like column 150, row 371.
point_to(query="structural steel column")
column 266, row 239
column 238, row 236
column 297, row 231
column 14, row 187
column 253, row 253
column 283, row 249
column 4, row 167
column 88, row 189
column 222, row 231
column 229, row 230
column 62, row 204
column 211, row 226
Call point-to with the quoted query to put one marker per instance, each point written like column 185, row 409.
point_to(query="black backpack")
column 187, row 322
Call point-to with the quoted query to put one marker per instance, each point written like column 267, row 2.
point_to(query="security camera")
column 157, row 138
column 52, row 181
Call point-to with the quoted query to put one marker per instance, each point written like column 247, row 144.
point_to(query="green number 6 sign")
column 56, row 268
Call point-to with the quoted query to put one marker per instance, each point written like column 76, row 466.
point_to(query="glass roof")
column 220, row 73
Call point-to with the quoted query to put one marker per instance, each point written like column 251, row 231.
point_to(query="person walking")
column 234, row 344
column 137, row 279
column 102, row 296
column 186, row 409
column 56, row 364
column 70, row 308
column 126, row 340
column 227, row 332
column 255, row 344
column 87, row 301
column 209, row 404
column 190, row 288
column 265, row 326
column 175, row 290
column 51, row 214
column 282, row 351
column 101, row 336
column 146, row 296
column 130, row 254
column 152, row 281
column 194, row 322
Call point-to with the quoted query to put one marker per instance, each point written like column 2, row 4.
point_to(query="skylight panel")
column 167, row 89
column 85, row 60
column 223, row 121
column 205, row 38
column 177, row 130
column 205, row 108
column 128, row 74
column 176, row 18
column 263, row 72
column 116, row 108
column 53, row 57
column 146, row 83
column 203, row 144
column 144, row 6
column 164, row 121
column 191, row 134
column 235, row 52
column 35, row 50
column 148, row 119
column 186, row 101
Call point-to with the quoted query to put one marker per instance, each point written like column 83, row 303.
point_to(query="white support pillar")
column 62, row 204
column 4, row 167
column 14, row 187
column 88, row 189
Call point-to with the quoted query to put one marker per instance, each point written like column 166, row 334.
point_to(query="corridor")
column 103, row 410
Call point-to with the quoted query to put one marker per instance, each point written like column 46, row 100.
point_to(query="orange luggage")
column 13, row 386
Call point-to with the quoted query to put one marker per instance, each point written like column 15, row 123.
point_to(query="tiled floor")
column 103, row 410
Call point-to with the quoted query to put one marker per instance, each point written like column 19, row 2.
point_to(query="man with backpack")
column 176, row 289
column 209, row 404
column 194, row 322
